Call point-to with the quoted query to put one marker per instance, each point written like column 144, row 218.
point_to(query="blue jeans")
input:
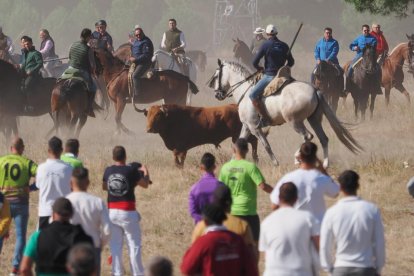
column 260, row 86
column 20, row 215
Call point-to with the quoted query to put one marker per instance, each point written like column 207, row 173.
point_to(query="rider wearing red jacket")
column 382, row 45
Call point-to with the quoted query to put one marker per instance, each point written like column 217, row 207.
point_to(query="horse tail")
column 193, row 87
column 341, row 132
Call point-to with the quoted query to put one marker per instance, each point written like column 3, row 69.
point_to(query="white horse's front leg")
column 260, row 135
column 245, row 132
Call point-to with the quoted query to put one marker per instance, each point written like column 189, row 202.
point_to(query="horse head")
column 219, row 82
column 322, row 74
column 240, row 49
column 369, row 62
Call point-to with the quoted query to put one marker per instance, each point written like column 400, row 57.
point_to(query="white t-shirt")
column 53, row 181
column 92, row 214
column 285, row 237
column 354, row 227
column 312, row 186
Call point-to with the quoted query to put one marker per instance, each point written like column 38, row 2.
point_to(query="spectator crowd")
column 299, row 237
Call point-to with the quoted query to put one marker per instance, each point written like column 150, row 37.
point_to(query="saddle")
column 282, row 79
column 71, row 74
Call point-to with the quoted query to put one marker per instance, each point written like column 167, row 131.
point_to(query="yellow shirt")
column 233, row 224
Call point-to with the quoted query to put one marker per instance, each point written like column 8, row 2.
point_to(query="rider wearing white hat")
column 275, row 53
column 258, row 40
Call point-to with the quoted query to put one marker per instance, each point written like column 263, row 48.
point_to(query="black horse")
column 365, row 81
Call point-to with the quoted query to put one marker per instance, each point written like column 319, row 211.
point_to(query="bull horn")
column 219, row 62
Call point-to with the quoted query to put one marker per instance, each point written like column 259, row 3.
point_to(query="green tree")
column 400, row 8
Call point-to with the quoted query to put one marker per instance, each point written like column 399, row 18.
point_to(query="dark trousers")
column 254, row 223
column 43, row 222
column 140, row 70
column 354, row 271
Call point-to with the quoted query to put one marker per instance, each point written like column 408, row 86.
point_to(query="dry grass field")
column 166, row 224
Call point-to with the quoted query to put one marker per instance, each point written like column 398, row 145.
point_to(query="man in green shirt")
column 243, row 178
column 71, row 154
column 15, row 173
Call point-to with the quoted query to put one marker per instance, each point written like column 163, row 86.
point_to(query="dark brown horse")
column 12, row 99
column 392, row 69
column 330, row 81
column 365, row 82
column 242, row 53
column 169, row 86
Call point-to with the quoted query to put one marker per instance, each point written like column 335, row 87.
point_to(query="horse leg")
column 300, row 128
column 315, row 120
column 81, row 123
column 181, row 158
column 372, row 104
column 400, row 87
column 120, row 106
column 72, row 124
column 246, row 134
column 260, row 135
column 356, row 105
column 387, row 95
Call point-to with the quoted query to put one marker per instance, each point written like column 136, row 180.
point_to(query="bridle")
column 220, row 93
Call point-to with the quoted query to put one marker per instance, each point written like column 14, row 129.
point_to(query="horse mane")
column 398, row 47
column 123, row 45
column 113, row 60
column 237, row 67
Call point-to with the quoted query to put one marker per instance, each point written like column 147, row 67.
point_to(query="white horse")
column 295, row 103
column 165, row 61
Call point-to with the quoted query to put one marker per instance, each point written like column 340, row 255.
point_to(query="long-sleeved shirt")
column 354, row 227
column 361, row 41
column 142, row 50
column 201, row 193
column 32, row 61
column 275, row 53
column 327, row 50
column 382, row 45
column 91, row 213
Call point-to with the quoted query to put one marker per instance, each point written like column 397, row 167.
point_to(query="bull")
column 185, row 127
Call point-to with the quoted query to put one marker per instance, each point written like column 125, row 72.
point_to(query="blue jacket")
column 275, row 53
column 327, row 50
column 142, row 50
column 103, row 40
column 361, row 41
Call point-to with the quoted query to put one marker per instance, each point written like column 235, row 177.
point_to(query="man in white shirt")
column 354, row 227
column 90, row 212
column 312, row 181
column 290, row 238
column 52, row 180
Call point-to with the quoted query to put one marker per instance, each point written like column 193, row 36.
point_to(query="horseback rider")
column 32, row 62
column 327, row 49
column 258, row 40
column 104, row 39
column 81, row 59
column 141, row 54
column 382, row 45
column 173, row 41
column 6, row 46
column 47, row 49
column 275, row 53
column 359, row 44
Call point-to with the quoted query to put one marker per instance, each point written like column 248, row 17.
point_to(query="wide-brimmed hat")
column 271, row 29
column 259, row 30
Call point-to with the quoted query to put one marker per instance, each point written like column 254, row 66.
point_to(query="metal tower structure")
column 234, row 18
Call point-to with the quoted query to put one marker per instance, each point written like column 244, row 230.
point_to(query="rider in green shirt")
column 243, row 178
column 71, row 154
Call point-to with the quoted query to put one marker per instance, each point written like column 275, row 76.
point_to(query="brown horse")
column 330, row 81
column 12, row 100
column 392, row 69
column 169, row 86
column 242, row 53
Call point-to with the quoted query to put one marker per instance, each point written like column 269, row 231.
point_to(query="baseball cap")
column 410, row 186
column 137, row 27
column 63, row 207
column 271, row 29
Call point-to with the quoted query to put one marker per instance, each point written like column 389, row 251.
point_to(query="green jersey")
column 15, row 174
column 72, row 160
column 242, row 177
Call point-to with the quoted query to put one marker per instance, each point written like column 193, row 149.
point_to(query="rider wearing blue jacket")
column 275, row 53
column 327, row 48
column 141, row 55
column 359, row 44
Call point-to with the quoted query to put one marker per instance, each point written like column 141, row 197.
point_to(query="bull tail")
column 341, row 132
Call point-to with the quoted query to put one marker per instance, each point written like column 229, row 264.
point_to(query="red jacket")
column 219, row 253
column 382, row 45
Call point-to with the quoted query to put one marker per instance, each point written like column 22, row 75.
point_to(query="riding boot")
column 264, row 120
